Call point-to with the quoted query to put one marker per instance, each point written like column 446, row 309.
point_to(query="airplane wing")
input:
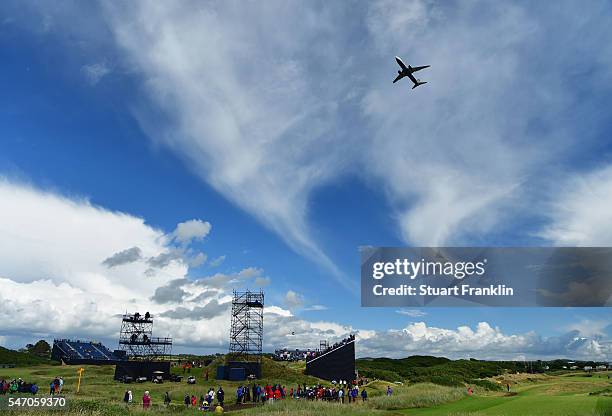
column 418, row 68
column 412, row 78
column 400, row 63
column 400, row 76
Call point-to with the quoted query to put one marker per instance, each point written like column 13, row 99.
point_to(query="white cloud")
column 414, row 313
column 257, row 126
column 191, row 230
column 266, row 128
column 44, row 235
column 262, row 281
column 580, row 213
column 95, row 72
column 52, row 250
column 267, row 117
column 590, row 328
column 126, row 256
column 294, row 300
column 483, row 342
column 316, row 308
column 216, row 262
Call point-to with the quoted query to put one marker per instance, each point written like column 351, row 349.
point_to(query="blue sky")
column 298, row 149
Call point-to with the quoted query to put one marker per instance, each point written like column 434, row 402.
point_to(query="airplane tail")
column 419, row 82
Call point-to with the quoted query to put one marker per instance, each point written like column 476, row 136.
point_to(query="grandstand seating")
column 334, row 363
column 69, row 350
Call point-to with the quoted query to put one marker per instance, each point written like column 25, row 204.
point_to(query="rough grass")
column 418, row 395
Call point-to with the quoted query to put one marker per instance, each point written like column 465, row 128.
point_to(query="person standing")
column 220, row 396
column 126, row 397
column 364, row 395
column 389, row 391
column 146, row 400
column 167, row 399
column 239, row 395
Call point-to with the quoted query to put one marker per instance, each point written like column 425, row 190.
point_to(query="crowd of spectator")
column 17, row 386
column 340, row 392
column 286, row 354
column 56, row 385
column 317, row 353
column 204, row 403
column 20, row 386
column 290, row 355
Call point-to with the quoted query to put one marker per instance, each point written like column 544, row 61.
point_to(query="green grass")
column 568, row 394
column 555, row 396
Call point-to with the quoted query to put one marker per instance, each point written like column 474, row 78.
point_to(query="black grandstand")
column 333, row 362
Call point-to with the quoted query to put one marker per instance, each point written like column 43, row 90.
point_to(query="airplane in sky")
column 407, row 71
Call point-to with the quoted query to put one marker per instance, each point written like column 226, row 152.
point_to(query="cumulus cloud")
column 164, row 259
column 193, row 312
column 170, row 292
column 64, row 262
column 483, row 342
column 221, row 280
column 294, row 300
column 127, row 256
column 191, row 230
column 211, row 310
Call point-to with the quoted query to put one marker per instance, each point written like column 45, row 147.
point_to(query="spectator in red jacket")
column 146, row 400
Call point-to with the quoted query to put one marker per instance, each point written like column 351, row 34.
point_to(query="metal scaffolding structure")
column 135, row 338
column 246, row 334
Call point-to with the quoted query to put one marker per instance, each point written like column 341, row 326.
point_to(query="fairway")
column 560, row 395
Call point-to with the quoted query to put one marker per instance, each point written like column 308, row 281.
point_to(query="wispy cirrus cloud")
column 268, row 117
column 453, row 157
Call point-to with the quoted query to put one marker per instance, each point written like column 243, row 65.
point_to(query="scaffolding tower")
column 135, row 338
column 246, row 333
